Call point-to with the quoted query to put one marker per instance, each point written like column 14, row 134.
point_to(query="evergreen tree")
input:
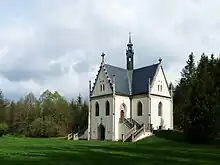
column 183, row 91
column 199, row 116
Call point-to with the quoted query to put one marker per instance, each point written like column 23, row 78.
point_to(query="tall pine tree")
column 183, row 91
column 200, row 119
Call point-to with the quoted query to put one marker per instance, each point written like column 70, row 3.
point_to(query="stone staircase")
column 137, row 131
column 73, row 136
column 81, row 135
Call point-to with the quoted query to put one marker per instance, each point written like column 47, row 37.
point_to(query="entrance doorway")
column 122, row 114
column 101, row 132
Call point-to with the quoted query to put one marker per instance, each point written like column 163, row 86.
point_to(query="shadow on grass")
column 173, row 135
column 152, row 151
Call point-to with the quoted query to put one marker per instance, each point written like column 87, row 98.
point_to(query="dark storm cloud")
column 23, row 74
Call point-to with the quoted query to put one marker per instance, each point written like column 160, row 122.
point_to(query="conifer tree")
column 200, row 118
column 183, row 91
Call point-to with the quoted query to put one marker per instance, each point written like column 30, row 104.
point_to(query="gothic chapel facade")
column 125, row 103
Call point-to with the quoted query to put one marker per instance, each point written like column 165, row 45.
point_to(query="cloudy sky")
column 56, row 44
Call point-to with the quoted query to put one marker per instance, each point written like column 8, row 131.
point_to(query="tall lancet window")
column 139, row 109
column 97, row 109
column 160, row 109
column 107, row 108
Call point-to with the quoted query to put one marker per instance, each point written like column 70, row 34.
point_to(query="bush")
column 42, row 128
column 3, row 129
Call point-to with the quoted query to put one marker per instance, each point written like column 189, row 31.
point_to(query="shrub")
column 3, row 129
column 42, row 128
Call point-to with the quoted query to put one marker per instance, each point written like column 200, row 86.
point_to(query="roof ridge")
column 147, row 66
column 114, row 66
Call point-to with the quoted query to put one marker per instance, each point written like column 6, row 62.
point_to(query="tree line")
column 197, row 99
column 196, row 107
column 50, row 115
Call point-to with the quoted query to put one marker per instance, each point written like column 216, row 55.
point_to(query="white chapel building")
column 126, row 104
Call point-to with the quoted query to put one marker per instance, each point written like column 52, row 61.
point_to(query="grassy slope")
column 151, row 151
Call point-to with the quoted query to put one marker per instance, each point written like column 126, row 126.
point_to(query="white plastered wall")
column 106, row 120
column 163, row 96
column 101, row 100
column 166, row 119
column 144, row 100
column 119, row 100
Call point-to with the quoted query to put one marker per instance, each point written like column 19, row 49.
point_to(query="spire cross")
column 103, row 56
column 129, row 38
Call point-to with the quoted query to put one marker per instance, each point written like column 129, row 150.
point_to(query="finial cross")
column 129, row 38
column 103, row 56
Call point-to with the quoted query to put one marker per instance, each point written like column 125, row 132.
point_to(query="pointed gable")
column 103, row 84
column 159, row 84
column 141, row 77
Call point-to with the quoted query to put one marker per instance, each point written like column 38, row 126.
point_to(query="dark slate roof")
column 121, row 78
column 140, row 78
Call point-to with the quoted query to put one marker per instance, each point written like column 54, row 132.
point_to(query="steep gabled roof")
column 121, row 78
column 141, row 77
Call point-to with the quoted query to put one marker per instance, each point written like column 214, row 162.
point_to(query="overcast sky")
column 56, row 44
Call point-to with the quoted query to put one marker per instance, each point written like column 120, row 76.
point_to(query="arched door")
column 101, row 132
column 122, row 114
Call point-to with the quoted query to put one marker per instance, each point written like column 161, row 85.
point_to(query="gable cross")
column 160, row 59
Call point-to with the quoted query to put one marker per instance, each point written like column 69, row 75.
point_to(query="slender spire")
column 130, row 54
column 129, row 38
column 129, row 41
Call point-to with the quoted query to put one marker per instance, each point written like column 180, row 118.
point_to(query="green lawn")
column 151, row 151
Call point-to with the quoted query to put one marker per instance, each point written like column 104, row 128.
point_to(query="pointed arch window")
column 96, row 109
column 107, row 108
column 160, row 108
column 139, row 109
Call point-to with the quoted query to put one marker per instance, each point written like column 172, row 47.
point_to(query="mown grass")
column 151, row 151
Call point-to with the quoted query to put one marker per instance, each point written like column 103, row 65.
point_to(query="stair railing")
column 139, row 131
column 76, row 136
column 70, row 136
column 128, row 123
column 129, row 133
column 135, row 122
